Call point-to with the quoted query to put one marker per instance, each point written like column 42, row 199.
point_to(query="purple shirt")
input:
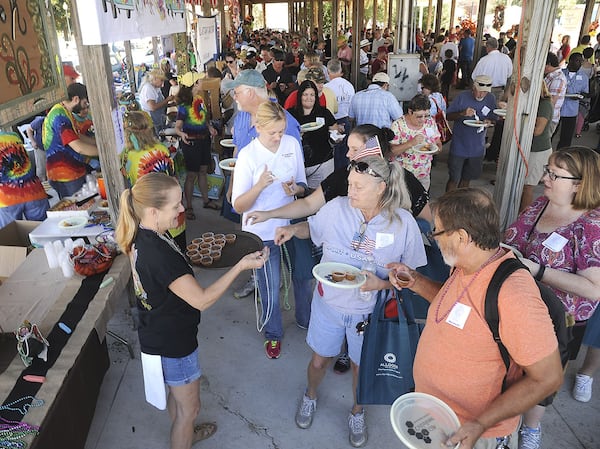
column 581, row 251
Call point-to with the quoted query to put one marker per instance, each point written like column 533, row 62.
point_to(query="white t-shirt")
column 337, row 225
column 149, row 92
column 285, row 163
column 344, row 91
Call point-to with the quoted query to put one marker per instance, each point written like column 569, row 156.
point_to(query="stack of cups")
column 58, row 255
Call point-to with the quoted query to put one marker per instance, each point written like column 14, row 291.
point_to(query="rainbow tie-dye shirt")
column 63, row 163
column 155, row 159
column 18, row 182
column 194, row 118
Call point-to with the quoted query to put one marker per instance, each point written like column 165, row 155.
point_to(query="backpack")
column 556, row 311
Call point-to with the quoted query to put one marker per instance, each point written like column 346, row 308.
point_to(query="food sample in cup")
column 208, row 239
column 220, row 243
column 208, row 234
column 192, row 247
column 230, row 238
column 216, row 248
column 338, row 276
column 350, row 276
column 216, row 255
column 403, row 278
column 197, row 241
column 205, row 252
column 205, row 245
column 219, row 236
column 193, row 253
column 206, row 261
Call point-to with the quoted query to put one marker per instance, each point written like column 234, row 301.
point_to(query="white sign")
column 106, row 21
column 206, row 39
column 404, row 74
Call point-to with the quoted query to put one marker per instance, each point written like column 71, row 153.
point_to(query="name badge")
column 555, row 242
column 458, row 315
column 578, row 77
column 320, row 120
column 485, row 110
column 382, row 240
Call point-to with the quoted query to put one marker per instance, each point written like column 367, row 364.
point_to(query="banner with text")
column 206, row 42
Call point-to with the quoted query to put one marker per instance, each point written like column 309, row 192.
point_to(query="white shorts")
column 535, row 165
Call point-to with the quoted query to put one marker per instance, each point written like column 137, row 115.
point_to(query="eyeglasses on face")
column 433, row 233
column 229, row 61
column 553, row 176
column 422, row 116
column 362, row 168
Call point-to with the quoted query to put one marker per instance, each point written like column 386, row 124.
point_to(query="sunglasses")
column 362, row 168
column 484, row 85
column 229, row 62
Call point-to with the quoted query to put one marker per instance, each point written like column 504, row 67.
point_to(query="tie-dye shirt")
column 18, row 182
column 63, row 163
column 194, row 117
column 155, row 159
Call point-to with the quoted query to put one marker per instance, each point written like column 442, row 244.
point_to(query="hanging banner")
column 106, row 21
column 206, row 39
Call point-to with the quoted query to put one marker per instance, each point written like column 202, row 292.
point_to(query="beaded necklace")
column 13, row 432
column 439, row 319
column 169, row 240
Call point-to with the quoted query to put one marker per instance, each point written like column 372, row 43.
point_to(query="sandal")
column 203, row 431
column 189, row 213
column 212, row 205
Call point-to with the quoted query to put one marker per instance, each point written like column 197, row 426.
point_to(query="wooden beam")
column 534, row 41
column 320, row 19
column 335, row 7
column 479, row 34
column 374, row 25
column 438, row 16
column 452, row 13
column 358, row 7
column 96, row 68
column 130, row 66
column 587, row 18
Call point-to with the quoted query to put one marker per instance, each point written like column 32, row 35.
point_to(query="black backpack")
column 555, row 309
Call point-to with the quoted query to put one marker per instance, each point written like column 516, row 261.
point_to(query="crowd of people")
column 313, row 148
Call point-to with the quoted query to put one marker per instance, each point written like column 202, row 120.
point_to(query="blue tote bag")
column 388, row 353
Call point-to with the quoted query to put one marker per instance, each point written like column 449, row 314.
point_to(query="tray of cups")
column 219, row 250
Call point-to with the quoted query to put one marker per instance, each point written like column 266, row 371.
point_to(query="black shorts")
column 196, row 153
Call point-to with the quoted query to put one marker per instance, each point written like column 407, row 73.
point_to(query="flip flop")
column 212, row 205
column 203, row 431
column 189, row 213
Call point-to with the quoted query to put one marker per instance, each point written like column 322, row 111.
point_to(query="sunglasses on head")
column 362, row 168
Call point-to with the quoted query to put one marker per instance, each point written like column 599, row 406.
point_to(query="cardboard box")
column 15, row 245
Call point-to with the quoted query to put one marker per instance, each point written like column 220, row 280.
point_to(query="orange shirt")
column 463, row 367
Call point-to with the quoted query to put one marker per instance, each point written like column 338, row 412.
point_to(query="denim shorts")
column 182, row 370
column 328, row 327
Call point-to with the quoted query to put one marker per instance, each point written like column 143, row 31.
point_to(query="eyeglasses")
column 553, row 176
column 433, row 233
column 229, row 62
column 484, row 84
column 362, row 168
column 422, row 116
column 359, row 236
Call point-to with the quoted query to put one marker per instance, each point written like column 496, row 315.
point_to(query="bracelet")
column 540, row 274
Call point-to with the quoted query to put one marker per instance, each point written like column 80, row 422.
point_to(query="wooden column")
column 181, row 53
column 587, row 18
column 374, row 26
column 389, row 13
column 402, row 33
column 290, row 15
column 320, row 20
column 429, row 17
column 335, row 5
column 130, row 67
column 358, row 7
column 264, row 8
column 479, row 34
column 438, row 16
column 155, row 40
column 452, row 13
column 534, row 38
column 223, row 26
column 96, row 68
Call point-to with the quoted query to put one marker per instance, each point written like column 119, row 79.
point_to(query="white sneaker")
column 582, row 390
column 246, row 289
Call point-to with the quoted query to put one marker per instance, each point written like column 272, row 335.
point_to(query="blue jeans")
column 31, row 210
column 68, row 188
column 274, row 327
column 303, row 291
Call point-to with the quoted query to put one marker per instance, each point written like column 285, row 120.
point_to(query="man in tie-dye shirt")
column 66, row 148
column 21, row 191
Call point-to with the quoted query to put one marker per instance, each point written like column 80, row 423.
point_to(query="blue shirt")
column 576, row 84
column 467, row 141
column 244, row 131
column 466, row 48
column 375, row 106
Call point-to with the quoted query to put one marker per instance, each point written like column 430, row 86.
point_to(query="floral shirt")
column 581, row 251
column 417, row 163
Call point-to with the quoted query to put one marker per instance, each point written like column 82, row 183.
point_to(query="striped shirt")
column 557, row 85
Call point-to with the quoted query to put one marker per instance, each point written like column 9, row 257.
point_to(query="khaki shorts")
column 536, row 164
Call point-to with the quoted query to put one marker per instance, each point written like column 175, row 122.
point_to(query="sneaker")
column 342, row 364
column 358, row 429
column 306, row 410
column 302, row 326
column 245, row 290
column 273, row 349
column 529, row 437
column 582, row 390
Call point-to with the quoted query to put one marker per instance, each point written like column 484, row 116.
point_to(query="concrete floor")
column 253, row 399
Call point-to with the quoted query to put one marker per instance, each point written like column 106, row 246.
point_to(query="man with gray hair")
column 497, row 66
column 344, row 92
column 375, row 105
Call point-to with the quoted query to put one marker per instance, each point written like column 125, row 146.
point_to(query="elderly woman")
column 416, row 137
column 318, row 154
column 168, row 297
column 372, row 224
column 558, row 237
column 153, row 101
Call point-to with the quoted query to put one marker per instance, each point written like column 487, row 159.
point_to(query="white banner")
column 106, row 21
column 206, row 39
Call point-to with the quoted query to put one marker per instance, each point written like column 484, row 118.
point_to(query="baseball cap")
column 190, row 78
column 381, row 78
column 364, row 43
column 70, row 71
column 483, row 83
column 315, row 74
column 248, row 77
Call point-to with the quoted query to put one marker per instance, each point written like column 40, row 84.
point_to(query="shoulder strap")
column 504, row 270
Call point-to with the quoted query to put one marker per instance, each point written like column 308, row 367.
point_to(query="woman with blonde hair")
column 269, row 172
column 168, row 297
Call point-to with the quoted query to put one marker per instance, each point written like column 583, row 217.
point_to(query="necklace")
column 169, row 241
column 439, row 319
